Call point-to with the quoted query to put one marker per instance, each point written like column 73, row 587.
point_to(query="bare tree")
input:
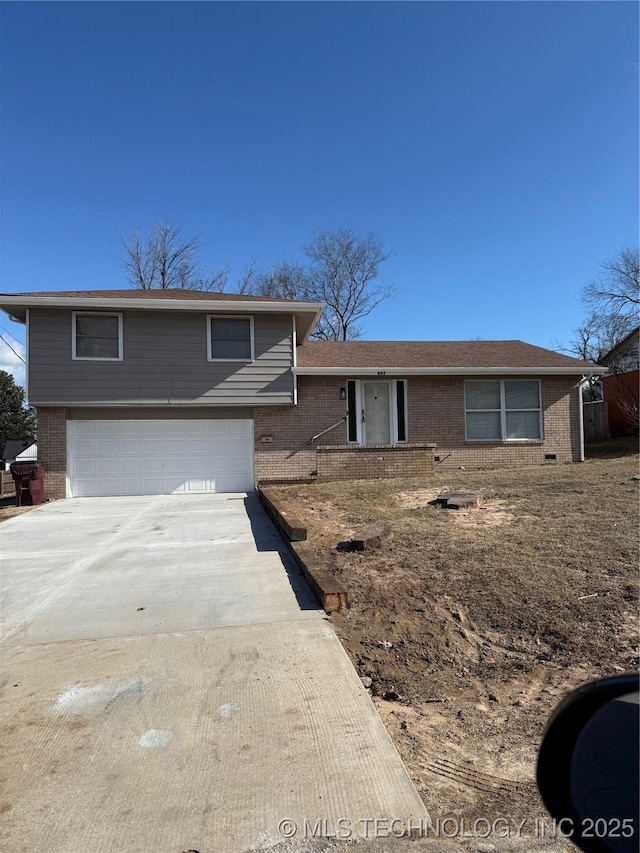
column 591, row 341
column 215, row 282
column 597, row 336
column 164, row 259
column 613, row 300
column 344, row 273
column 630, row 410
column 616, row 291
column 286, row 281
column 248, row 278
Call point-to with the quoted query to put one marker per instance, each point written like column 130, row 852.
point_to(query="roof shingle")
column 168, row 293
column 443, row 354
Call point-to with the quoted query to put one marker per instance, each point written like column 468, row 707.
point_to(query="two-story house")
column 165, row 391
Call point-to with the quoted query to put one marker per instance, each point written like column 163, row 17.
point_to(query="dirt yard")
column 9, row 508
column 473, row 624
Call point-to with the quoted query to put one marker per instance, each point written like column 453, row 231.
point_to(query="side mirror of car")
column 588, row 765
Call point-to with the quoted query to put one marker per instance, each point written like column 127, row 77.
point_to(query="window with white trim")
column 97, row 336
column 230, row 338
column 503, row 410
column 377, row 411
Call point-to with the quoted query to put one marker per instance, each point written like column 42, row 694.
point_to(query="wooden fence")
column 6, row 483
column 596, row 421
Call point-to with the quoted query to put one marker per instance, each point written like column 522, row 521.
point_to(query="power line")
column 2, row 338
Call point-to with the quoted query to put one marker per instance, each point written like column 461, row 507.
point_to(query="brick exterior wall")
column 436, row 416
column 52, row 450
column 435, row 427
column 346, row 462
column 289, row 457
column 436, row 413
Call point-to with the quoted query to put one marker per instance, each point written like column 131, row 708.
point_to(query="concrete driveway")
column 168, row 684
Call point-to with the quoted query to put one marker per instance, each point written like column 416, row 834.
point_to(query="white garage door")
column 159, row 457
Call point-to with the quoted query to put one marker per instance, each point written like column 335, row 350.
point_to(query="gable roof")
column 154, row 294
column 455, row 357
column 173, row 299
column 15, row 446
column 626, row 343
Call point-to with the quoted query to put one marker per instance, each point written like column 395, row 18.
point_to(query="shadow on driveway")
column 267, row 538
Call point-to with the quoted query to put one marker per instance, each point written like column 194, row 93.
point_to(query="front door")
column 377, row 424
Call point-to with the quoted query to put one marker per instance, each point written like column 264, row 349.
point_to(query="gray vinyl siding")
column 164, row 363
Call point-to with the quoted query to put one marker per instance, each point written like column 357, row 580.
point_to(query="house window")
column 230, row 339
column 503, row 410
column 97, row 336
column 376, row 411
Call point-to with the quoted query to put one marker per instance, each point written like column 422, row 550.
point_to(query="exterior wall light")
column 343, row 393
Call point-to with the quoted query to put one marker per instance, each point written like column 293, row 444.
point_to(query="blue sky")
column 492, row 146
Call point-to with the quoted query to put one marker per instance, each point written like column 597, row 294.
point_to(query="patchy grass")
column 473, row 624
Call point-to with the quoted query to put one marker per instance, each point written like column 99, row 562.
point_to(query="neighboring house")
column 19, row 451
column 620, row 386
column 155, row 392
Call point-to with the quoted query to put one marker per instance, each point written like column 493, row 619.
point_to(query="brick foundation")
column 346, row 462
column 52, row 450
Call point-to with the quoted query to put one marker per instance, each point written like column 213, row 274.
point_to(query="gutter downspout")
column 294, row 358
column 581, row 386
column 26, row 357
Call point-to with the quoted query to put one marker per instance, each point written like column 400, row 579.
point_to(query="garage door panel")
column 85, row 447
column 155, row 457
column 130, row 466
column 156, row 486
column 154, row 447
column 109, row 484
column 107, row 448
column 107, row 466
column 174, row 467
column 86, row 468
column 153, row 466
column 131, row 446
column 236, row 444
column 109, row 428
column 175, row 447
column 195, row 485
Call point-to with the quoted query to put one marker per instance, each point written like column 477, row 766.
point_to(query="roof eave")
column 305, row 324
column 570, row 370
column 308, row 312
column 614, row 350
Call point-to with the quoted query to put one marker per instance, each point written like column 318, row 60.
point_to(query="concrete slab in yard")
column 198, row 723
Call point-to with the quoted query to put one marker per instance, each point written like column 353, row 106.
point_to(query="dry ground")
column 473, row 624
column 8, row 507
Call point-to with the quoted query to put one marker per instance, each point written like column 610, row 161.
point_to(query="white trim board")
column 355, row 372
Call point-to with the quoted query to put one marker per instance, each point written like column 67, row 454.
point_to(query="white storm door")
column 377, row 415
